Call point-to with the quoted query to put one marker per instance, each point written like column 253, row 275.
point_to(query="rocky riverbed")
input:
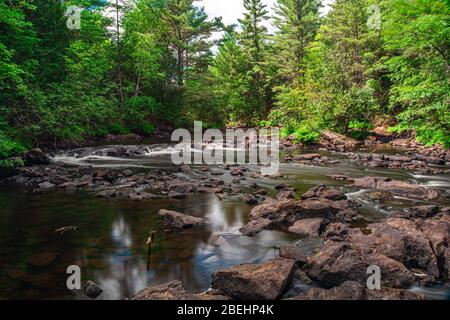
column 310, row 232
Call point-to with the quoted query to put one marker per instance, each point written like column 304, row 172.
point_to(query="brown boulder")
column 293, row 252
column 255, row 226
column 309, row 227
column 266, row 281
column 343, row 261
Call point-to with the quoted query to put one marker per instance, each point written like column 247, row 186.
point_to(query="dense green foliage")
column 156, row 66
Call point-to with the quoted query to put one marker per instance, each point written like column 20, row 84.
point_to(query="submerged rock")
column 266, row 281
column 92, row 290
column 178, row 220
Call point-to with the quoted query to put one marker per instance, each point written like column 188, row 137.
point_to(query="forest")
column 136, row 65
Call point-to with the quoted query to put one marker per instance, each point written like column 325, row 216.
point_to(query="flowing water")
column 109, row 244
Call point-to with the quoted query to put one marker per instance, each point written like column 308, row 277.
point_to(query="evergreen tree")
column 297, row 22
column 254, row 42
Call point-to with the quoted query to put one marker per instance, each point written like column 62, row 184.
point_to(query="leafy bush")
column 306, row 136
column 9, row 147
column 11, row 163
column 359, row 129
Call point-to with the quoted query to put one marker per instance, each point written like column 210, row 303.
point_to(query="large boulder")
column 338, row 262
column 402, row 240
column 36, row 157
column 179, row 220
column 266, row 281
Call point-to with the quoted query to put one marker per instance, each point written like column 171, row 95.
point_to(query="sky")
column 232, row 10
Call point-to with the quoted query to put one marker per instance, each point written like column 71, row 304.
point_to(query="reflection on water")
column 110, row 242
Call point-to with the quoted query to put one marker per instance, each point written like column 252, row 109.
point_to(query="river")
column 109, row 244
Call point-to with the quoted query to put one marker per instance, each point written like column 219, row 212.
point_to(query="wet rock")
column 176, row 195
column 309, row 227
column 172, row 290
column 282, row 186
column 178, row 220
column 426, row 211
column 339, row 177
column 393, row 294
column 339, row 262
column 284, row 213
column 324, row 192
column 261, row 192
column 211, row 295
column 249, row 199
column 349, row 290
column 402, row 240
column 336, row 232
column 182, row 186
column 44, row 186
column 127, row 173
column 380, row 196
column 186, row 169
column 237, row 172
column 266, row 281
column 293, row 252
column 308, row 157
column 92, row 290
column 216, row 172
column 286, row 194
column 36, row 157
column 255, row 226
column 42, row 259
column 401, row 188
column 108, row 193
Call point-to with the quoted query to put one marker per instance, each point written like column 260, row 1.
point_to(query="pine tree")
column 254, row 42
column 187, row 32
column 297, row 22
